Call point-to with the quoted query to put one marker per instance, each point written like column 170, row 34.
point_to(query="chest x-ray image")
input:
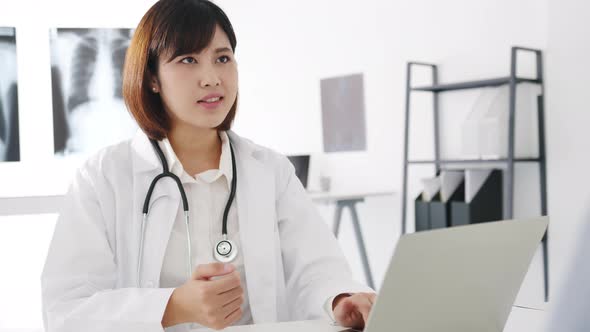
column 9, row 133
column 87, row 71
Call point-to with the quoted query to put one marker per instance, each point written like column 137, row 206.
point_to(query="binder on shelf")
column 440, row 210
column 422, row 214
column 436, row 213
column 485, row 205
column 439, row 213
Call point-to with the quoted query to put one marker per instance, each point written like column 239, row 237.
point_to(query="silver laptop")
column 460, row 279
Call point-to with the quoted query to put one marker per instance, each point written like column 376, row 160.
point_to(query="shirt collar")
column 209, row 176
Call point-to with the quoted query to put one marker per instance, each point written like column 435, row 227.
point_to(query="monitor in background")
column 301, row 164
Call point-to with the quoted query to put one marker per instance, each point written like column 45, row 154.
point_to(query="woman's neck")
column 197, row 149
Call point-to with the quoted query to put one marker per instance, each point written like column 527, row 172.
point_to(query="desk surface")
column 300, row 326
column 519, row 320
column 321, row 196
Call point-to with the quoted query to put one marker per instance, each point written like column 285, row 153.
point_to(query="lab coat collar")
column 256, row 217
column 224, row 168
column 145, row 158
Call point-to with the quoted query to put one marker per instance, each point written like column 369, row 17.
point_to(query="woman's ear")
column 154, row 84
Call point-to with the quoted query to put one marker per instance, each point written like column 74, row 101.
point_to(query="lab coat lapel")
column 163, row 209
column 255, row 203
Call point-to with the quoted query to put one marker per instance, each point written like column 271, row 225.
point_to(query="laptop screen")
column 301, row 164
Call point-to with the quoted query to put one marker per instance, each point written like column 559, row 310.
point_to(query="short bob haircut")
column 170, row 28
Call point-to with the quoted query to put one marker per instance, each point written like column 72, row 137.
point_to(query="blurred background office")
column 298, row 61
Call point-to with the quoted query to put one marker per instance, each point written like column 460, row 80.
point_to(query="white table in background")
column 349, row 199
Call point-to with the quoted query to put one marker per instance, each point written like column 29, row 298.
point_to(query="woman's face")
column 199, row 89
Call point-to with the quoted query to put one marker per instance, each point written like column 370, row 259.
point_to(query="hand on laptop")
column 353, row 310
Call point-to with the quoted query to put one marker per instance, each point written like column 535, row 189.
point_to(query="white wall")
column 568, row 119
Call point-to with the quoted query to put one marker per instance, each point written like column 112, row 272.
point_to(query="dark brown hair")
column 169, row 28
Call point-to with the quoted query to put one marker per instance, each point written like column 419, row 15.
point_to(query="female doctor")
column 189, row 225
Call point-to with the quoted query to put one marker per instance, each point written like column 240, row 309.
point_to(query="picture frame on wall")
column 86, row 78
column 343, row 113
column 9, row 113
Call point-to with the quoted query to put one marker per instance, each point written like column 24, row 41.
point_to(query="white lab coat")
column 293, row 263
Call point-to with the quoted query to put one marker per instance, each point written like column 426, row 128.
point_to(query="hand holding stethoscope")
column 212, row 297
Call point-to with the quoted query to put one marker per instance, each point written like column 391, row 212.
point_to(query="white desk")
column 349, row 199
column 300, row 326
column 521, row 319
column 333, row 196
column 518, row 321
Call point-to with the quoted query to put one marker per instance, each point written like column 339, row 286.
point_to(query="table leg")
column 337, row 218
column 351, row 204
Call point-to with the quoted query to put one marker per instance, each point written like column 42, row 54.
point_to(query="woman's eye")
column 224, row 59
column 188, row 60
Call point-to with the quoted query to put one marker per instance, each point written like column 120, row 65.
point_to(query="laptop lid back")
column 460, row 279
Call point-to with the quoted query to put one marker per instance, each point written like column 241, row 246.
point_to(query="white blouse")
column 207, row 194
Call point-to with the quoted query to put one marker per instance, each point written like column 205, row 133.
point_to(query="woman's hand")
column 353, row 310
column 212, row 303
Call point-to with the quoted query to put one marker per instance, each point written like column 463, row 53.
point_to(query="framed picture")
column 86, row 72
column 9, row 126
column 343, row 113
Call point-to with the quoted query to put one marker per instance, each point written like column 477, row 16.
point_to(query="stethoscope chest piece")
column 225, row 251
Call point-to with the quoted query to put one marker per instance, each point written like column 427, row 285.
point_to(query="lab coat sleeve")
column 314, row 265
column 79, row 277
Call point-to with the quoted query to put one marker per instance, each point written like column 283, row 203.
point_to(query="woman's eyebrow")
column 222, row 49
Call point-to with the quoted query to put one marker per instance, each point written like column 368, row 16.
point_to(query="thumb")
column 343, row 311
column 206, row 271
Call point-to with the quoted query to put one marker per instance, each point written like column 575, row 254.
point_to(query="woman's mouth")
column 210, row 103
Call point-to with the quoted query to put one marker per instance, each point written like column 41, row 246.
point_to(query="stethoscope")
column 224, row 251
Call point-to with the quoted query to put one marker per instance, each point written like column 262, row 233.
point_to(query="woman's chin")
column 203, row 124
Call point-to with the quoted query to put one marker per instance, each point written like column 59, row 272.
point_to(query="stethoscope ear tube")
column 146, row 203
column 160, row 155
column 140, row 255
column 232, row 193
column 173, row 176
column 165, row 173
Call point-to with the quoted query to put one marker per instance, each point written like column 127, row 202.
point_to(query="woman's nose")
column 210, row 78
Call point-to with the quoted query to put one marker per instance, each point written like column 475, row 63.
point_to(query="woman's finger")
column 234, row 316
column 365, row 308
column 229, row 296
column 232, row 306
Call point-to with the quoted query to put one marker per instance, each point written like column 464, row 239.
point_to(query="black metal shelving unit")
column 506, row 163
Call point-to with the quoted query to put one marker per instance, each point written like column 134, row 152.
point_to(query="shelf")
column 475, row 161
column 473, row 84
column 489, row 161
